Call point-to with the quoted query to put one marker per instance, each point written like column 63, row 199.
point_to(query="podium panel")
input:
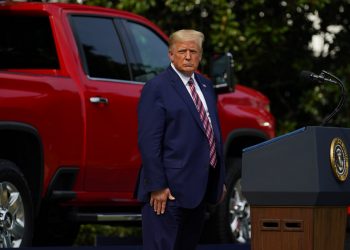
column 298, row 189
column 298, row 228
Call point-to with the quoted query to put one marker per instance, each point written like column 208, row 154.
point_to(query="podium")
column 298, row 189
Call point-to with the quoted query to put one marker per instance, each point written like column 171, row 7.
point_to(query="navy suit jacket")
column 172, row 141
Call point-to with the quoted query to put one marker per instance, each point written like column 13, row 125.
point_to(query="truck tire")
column 230, row 220
column 16, row 207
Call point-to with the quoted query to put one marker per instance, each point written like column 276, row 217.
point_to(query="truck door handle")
column 98, row 100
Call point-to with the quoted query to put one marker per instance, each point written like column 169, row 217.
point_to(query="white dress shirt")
column 185, row 80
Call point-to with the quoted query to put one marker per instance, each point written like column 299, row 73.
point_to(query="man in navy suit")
column 181, row 149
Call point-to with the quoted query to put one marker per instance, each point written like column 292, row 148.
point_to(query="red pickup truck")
column 70, row 80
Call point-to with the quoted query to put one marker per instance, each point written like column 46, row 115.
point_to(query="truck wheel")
column 230, row 220
column 16, row 208
column 236, row 206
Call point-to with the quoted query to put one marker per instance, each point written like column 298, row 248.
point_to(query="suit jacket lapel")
column 183, row 93
column 211, row 104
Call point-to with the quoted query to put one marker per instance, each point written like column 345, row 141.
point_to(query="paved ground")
column 115, row 241
column 116, row 246
column 204, row 247
column 135, row 244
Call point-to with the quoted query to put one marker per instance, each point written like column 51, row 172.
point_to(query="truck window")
column 100, row 47
column 26, row 42
column 152, row 52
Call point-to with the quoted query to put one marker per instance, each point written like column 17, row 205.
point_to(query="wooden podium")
column 298, row 189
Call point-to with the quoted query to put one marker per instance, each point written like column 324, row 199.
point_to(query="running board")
column 122, row 217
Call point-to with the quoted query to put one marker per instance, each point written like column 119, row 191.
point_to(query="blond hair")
column 186, row 35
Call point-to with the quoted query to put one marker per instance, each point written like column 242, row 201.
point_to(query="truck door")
column 118, row 56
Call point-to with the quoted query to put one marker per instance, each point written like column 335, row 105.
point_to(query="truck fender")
column 20, row 143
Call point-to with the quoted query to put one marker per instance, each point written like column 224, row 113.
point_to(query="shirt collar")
column 183, row 77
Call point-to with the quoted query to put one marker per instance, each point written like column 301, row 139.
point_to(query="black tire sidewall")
column 10, row 173
column 233, row 174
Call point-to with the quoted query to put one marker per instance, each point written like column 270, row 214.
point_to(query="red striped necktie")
column 206, row 123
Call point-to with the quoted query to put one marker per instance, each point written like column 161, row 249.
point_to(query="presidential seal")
column 339, row 159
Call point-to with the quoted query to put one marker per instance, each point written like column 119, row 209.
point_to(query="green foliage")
column 270, row 43
column 136, row 6
column 88, row 233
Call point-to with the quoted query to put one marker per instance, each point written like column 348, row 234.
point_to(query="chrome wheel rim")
column 12, row 217
column 240, row 215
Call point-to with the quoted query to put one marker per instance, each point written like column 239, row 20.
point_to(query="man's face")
column 185, row 56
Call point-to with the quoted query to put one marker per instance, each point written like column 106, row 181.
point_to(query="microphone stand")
column 342, row 98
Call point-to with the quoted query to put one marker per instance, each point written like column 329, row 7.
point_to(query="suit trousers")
column 177, row 229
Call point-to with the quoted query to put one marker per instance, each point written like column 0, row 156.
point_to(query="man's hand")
column 159, row 199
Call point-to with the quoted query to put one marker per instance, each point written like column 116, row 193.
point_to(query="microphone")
column 323, row 78
column 312, row 77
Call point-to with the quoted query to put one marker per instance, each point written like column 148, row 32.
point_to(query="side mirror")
column 221, row 72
